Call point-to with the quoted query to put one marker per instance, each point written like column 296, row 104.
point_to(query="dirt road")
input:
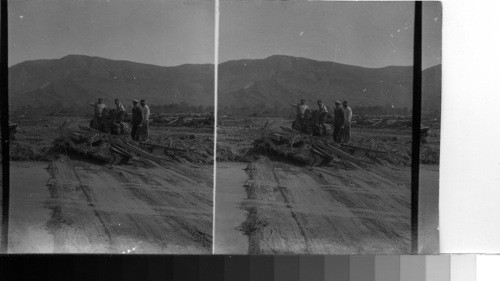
column 296, row 210
column 64, row 205
column 333, row 209
column 429, row 209
column 74, row 207
column 228, row 238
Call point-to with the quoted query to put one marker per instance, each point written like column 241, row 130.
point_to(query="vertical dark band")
column 417, row 109
column 4, row 110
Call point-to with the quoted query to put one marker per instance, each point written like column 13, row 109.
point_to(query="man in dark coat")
column 338, row 122
column 136, row 120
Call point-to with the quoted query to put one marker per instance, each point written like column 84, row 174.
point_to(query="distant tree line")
column 182, row 107
column 388, row 109
column 289, row 111
column 85, row 110
column 258, row 109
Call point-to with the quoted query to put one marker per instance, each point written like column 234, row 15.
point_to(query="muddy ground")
column 338, row 208
column 61, row 204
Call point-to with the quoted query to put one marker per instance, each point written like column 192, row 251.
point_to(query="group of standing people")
column 342, row 116
column 140, row 116
column 140, row 121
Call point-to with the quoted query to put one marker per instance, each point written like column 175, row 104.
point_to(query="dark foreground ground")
column 64, row 205
column 265, row 205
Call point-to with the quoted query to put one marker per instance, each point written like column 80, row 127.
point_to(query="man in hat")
column 338, row 122
column 120, row 110
column 145, row 121
column 137, row 119
column 301, row 111
column 346, row 132
column 99, row 109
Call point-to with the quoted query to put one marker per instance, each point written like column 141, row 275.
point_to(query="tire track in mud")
column 85, row 189
column 283, row 191
column 379, row 208
column 63, row 224
column 107, row 211
column 184, row 213
column 260, row 224
column 181, row 221
column 302, row 211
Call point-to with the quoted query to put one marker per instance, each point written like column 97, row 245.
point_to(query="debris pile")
column 228, row 154
column 429, row 155
column 197, row 120
column 237, row 122
column 390, row 122
column 110, row 124
column 393, row 122
column 294, row 146
column 398, row 149
column 12, row 130
column 190, row 147
column 101, row 148
column 23, row 152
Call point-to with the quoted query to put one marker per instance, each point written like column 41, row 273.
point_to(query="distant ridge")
column 75, row 80
column 276, row 81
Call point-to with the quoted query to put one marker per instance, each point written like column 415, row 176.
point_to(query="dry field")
column 336, row 207
column 66, row 204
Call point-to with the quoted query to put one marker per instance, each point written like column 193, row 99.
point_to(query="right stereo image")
column 315, row 150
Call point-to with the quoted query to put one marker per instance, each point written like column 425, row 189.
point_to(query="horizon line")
column 219, row 63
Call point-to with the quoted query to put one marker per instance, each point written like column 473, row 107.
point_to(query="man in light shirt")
column 301, row 111
column 120, row 110
column 322, row 108
column 145, row 121
column 99, row 109
column 346, row 133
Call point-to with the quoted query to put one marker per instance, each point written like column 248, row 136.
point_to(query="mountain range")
column 75, row 80
column 276, row 81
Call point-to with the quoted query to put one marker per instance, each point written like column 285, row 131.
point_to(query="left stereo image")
column 111, row 118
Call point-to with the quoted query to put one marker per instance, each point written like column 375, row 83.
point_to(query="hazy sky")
column 173, row 32
column 161, row 32
column 370, row 34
